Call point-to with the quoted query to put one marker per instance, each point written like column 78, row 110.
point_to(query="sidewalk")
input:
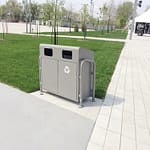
column 124, row 120
column 29, row 123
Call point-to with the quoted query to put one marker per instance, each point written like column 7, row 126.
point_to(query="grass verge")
column 19, row 55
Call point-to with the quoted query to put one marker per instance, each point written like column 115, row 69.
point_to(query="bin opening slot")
column 48, row 52
column 67, row 54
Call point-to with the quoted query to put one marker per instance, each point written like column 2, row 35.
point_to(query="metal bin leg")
column 93, row 86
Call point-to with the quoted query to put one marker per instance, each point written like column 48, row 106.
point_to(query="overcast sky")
column 76, row 4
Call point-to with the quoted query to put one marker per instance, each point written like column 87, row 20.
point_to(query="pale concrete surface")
column 124, row 119
column 29, row 123
column 89, row 111
column 20, row 28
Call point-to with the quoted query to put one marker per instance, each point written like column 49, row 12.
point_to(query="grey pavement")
column 89, row 111
column 124, row 119
column 20, row 28
column 30, row 123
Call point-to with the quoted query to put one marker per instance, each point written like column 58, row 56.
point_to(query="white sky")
column 76, row 4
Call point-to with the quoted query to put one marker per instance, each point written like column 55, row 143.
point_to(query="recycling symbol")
column 67, row 69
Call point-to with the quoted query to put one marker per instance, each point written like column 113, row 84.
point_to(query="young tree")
column 76, row 21
column 70, row 13
column 14, row 9
column 2, row 8
column 35, row 10
column 52, row 10
column 48, row 10
column 124, row 13
column 92, row 20
column 104, row 13
column 84, row 18
column 111, row 14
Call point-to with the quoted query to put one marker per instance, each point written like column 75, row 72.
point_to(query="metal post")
column 70, row 24
column 55, row 38
column 40, row 70
column 70, row 18
column 3, row 30
column 133, row 21
column 6, row 27
column 26, row 16
column 30, row 15
column 94, row 79
column 91, row 8
column 52, row 35
column 57, row 33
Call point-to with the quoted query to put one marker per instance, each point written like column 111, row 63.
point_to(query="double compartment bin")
column 67, row 71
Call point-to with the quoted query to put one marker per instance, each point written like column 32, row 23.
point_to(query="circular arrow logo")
column 67, row 69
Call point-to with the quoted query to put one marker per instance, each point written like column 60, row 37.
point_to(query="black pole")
column 55, row 34
column 55, row 38
column 52, row 35
column 26, row 16
column 3, row 30
column 30, row 19
column 70, row 24
column 133, row 20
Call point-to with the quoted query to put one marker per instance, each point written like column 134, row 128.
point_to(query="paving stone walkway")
column 124, row 119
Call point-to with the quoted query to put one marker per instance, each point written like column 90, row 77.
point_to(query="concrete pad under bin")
column 90, row 109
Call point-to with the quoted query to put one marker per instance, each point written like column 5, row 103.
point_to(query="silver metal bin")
column 67, row 71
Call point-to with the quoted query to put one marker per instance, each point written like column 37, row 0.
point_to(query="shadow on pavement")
column 112, row 100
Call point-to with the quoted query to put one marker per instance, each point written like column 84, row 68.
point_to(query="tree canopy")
column 124, row 13
column 109, row 14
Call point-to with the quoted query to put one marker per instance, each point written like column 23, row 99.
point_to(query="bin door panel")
column 68, row 80
column 50, row 75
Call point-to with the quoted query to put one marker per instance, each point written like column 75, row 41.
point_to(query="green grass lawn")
column 19, row 55
column 117, row 34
